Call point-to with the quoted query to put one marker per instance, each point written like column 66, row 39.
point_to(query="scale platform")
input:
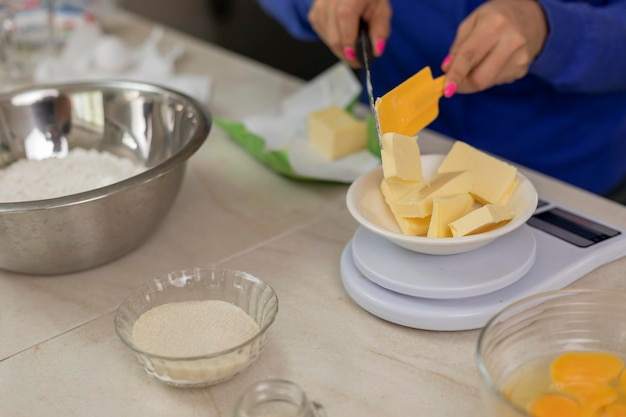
column 554, row 248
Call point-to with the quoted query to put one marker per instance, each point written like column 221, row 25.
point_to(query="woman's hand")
column 337, row 24
column 495, row 45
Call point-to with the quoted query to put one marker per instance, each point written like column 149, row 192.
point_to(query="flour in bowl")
column 193, row 328
column 192, row 333
column 81, row 170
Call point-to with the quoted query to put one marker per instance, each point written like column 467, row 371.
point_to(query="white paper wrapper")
column 285, row 128
column 89, row 54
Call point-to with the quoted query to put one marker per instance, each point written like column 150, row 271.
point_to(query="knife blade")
column 365, row 55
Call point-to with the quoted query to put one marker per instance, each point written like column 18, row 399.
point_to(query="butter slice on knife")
column 401, row 158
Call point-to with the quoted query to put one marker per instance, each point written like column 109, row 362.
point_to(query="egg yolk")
column 555, row 405
column 585, row 367
column 614, row 410
column 591, row 396
column 587, row 384
column 622, row 382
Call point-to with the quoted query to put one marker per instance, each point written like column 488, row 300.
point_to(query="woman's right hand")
column 337, row 24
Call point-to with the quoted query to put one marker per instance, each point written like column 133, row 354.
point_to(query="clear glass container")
column 33, row 31
column 26, row 37
column 251, row 294
column 536, row 330
column 277, row 398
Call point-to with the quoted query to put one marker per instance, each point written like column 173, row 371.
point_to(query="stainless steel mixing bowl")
column 154, row 126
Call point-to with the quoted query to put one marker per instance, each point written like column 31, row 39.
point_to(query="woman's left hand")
column 494, row 45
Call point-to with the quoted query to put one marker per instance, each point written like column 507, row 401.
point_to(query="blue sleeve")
column 292, row 14
column 585, row 48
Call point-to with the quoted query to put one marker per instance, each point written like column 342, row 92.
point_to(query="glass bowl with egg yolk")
column 556, row 354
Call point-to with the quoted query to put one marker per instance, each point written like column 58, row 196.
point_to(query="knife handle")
column 364, row 50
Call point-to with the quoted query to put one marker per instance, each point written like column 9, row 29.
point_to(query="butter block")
column 510, row 191
column 413, row 226
column 336, row 133
column 419, row 202
column 494, row 180
column 483, row 219
column 394, row 189
column 447, row 210
column 401, row 157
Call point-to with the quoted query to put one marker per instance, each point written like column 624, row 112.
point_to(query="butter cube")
column 400, row 157
column 483, row 219
column 447, row 210
column 494, row 180
column 336, row 133
column 419, row 202
column 413, row 226
column 392, row 191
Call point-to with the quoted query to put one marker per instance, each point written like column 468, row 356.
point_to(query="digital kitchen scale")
column 554, row 248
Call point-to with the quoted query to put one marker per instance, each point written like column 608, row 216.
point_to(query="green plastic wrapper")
column 279, row 138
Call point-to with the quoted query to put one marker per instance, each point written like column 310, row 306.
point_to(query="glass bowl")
column 518, row 345
column 366, row 204
column 241, row 289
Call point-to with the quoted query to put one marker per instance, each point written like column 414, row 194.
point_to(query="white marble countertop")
column 60, row 356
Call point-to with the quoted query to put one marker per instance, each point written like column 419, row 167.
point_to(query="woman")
column 547, row 78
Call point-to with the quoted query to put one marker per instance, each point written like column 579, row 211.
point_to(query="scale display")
column 568, row 245
column 577, row 230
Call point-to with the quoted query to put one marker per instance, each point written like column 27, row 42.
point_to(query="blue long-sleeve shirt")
column 566, row 118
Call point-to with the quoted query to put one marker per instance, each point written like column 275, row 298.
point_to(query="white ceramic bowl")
column 367, row 205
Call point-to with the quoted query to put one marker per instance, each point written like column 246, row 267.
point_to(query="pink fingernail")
column 380, row 46
column 446, row 61
column 349, row 52
column 449, row 90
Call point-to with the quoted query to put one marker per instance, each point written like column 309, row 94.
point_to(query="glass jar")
column 276, row 398
column 26, row 37
column 32, row 31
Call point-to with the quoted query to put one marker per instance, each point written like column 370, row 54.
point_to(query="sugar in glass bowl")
column 251, row 294
column 518, row 345
column 366, row 204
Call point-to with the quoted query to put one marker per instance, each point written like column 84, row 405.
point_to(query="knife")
column 365, row 55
